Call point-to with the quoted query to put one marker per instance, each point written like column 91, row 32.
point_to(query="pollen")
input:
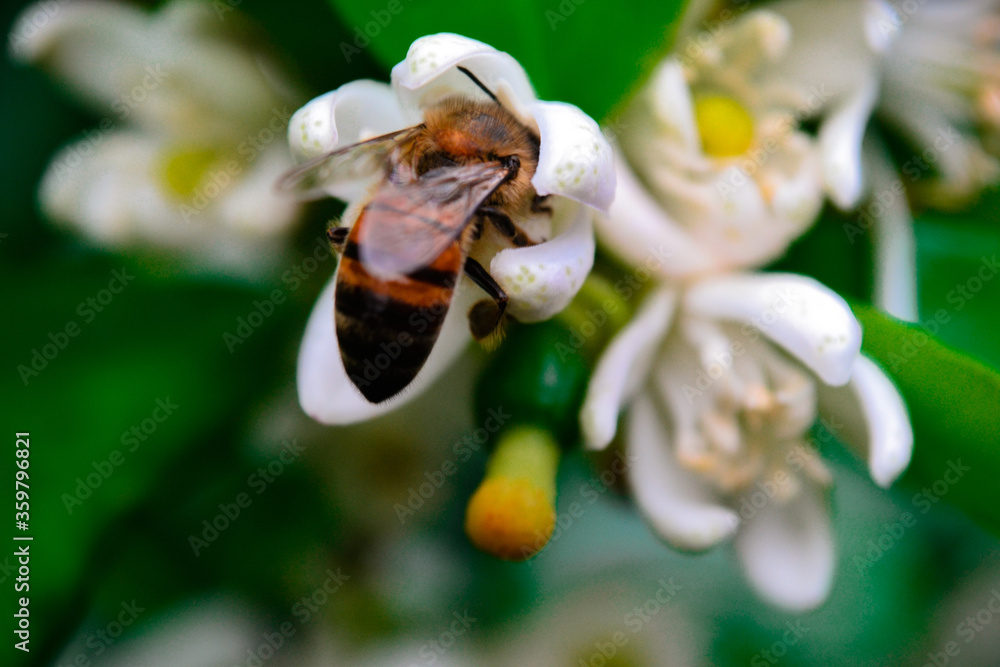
column 184, row 168
column 725, row 126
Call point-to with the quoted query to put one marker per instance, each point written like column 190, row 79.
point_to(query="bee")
column 469, row 163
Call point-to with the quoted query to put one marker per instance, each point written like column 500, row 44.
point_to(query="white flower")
column 594, row 621
column 206, row 632
column 837, row 50
column 723, row 380
column 575, row 166
column 191, row 137
column 942, row 84
column 724, row 177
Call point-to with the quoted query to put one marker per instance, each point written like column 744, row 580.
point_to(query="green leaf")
column 954, row 404
column 143, row 381
column 586, row 53
column 957, row 275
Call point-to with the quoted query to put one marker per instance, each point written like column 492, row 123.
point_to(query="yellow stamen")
column 725, row 126
column 512, row 513
column 184, row 168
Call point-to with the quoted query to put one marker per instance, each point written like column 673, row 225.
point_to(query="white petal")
column 893, row 238
column 870, row 414
column 82, row 43
column 840, row 139
column 251, row 206
column 102, row 187
column 798, row 195
column 832, row 50
column 328, row 395
column 881, row 24
column 670, row 100
column 787, row 550
column 624, row 366
column 164, row 70
column 354, row 112
column 429, row 73
column 199, row 633
column 108, row 188
column 680, row 509
column 640, row 232
column 542, row 279
column 574, row 159
column 738, row 224
column 798, row 313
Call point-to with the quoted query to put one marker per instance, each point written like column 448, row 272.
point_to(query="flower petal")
column 83, row 44
column 835, row 45
column 166, row 70
column 871, row 415
column 251, row 206
column 835, row 59
column 640, row 232
column 542, row 279
column 429, row 73
column 801, row 315
column 111, row 191
column 787, row 550
column 624, row 366
column 354, row 112
column 881, row 24
column 198, row 633
column 680, row 509
column 326, row 393
column 574, row 159
column 108, row 190
column 840, row 140
column 669, row 99
column 895, row 265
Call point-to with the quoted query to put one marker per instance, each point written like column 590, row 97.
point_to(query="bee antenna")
column 479, row 83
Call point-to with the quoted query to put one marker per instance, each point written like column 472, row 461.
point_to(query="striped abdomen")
column 386, row 327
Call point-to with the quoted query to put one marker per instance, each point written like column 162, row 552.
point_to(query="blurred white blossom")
column 839, row 49
column 192, row 134
column 604, row 621
column 941, row 90
column 210, row 631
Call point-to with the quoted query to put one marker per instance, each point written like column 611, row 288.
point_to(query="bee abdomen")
column 386, row 329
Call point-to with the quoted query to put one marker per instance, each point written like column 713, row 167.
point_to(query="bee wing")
column 408, row 225
column 352, row 162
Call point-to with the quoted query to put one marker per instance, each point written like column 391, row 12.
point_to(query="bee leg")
column 338, row 237
column 538, row 205
column 506, row 226
column 485, row 316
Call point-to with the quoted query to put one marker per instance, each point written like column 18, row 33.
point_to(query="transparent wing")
column 409, row 225
column 353, row 162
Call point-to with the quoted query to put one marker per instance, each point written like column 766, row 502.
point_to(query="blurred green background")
column 330, row 508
